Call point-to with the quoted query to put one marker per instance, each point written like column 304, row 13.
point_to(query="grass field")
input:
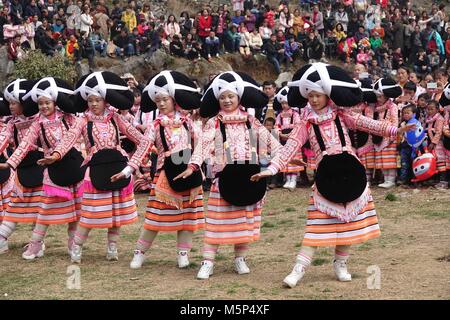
column 413, row 255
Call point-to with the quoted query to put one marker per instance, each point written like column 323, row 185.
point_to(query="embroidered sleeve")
column 5, row 136
column 438, row 130
column 297, row 139
column 142, row 142
column 205, row 147
column 358, row 121
column 70, row 137
column 198, row 142
column 27, row 144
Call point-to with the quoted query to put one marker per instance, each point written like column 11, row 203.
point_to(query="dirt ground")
column 413, row 256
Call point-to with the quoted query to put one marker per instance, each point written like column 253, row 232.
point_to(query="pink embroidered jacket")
column 238, row 138
column 104, row 134
column 177, row 137
column 366, row 110
column 434, row 128
column 391, row 110
column 22, row 125
column 54, row 131
column 305, row 131
column 287, row 119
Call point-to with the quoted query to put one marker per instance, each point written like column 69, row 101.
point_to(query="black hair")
column 269, row 83
column 410, row 86
column 434, row 102
column 269, row 119
column 425, row 96
column 412, row 107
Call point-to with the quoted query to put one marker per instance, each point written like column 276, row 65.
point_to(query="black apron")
column 177, row 162
column 235, row 185
column 67, row 171
column 375, row 138
column 358, row 138
column 4, row 173
column 105, row 163
column 29, row 173
column 340, row 178
column 287, row 131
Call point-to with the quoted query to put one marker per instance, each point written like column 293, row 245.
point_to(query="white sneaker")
column 182, row 258
column 138, row 259
column 295, row 276
column 387, row 185
column 206, row 270
column 111, row 252
column 75, row 253
column 340, row 268
column 293, row 184
column 35, row 249
column 3, row 245
column 287, row 184
column 240, row 266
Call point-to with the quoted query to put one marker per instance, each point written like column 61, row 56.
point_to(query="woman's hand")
column 186, row 173
column 261, row 175
column 118, row 176
column 48, row 160
column 4, row 166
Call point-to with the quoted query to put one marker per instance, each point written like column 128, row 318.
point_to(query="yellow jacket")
column 130, row 20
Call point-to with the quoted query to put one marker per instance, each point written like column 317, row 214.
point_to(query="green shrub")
column 36, row 65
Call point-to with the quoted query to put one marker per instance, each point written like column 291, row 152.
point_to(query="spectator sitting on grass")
column 124, row 46
column 211, row 46
column 192, row 48
column 98, row 41
column 233, row 39
column 255, row 41
column 244, row 45
column 176, row 47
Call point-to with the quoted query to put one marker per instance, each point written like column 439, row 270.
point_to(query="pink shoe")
column 35, row 249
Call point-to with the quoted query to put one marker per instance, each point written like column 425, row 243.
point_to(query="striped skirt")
column 386, row 158
column 4, row 201
column 292, row 167
column 447, row 159
column 440, row 157
column 368, row 159
column 324, row 230
column 163, row 217
column 59, row 210
column 24, row 208
column 228, row 224
column 107, row 209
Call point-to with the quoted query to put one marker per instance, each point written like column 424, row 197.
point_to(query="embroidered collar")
column 56, row 117
column 325, row 117
column 170, row 122
column 287, row 113
column 107, row 115
column 239, row 117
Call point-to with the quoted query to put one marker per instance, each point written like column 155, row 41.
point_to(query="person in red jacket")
column 447, row 46
column 204, row 25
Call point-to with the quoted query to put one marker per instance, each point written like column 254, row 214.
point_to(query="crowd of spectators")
column 382, row 35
